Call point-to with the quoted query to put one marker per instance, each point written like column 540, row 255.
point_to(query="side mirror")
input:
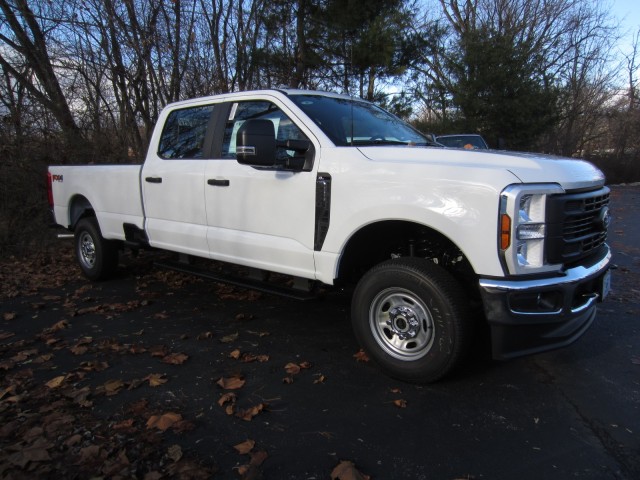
column 256, row 143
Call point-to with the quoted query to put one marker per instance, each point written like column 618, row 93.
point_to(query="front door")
column 257, row 217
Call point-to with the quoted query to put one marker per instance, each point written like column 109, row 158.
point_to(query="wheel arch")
column 79, row 207
column 380, row 241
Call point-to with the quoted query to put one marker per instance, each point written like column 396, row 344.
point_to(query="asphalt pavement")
column 194, row 368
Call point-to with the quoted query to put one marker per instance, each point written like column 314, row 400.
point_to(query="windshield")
column 354, row 122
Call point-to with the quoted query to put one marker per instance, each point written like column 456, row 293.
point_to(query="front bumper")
column 536, row 315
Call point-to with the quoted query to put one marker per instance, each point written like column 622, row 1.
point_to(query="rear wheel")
column 412, row 318
column 97, row 257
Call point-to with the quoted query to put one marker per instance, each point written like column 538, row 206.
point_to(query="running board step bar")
column 244, row 282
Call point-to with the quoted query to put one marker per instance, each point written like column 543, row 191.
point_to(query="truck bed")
column 114, row 191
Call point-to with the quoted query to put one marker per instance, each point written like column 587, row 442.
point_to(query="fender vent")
column 323, row 209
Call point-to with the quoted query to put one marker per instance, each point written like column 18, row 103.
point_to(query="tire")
column 412, row 318
column 97, row 257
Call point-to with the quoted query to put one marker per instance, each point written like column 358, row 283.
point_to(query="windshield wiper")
column 378, row 141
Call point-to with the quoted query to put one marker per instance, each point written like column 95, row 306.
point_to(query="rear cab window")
column 184, row 132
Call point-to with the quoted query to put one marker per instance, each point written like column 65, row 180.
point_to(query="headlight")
column 522, row 235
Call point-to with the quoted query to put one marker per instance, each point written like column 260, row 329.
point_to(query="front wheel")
column 412, row 318
column 97, row 257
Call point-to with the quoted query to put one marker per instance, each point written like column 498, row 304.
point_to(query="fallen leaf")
column 361, row 356
column 231, row 383
column 249, row 413
column 43, row 358
column 24, row 355
column 52, row 298
column 155, row 379
column 230, row 338
column 56, row 382
column 137, row 349
column 124, row 424
column 174, row 452
column 79, row 350
column 346, row 470
column 113, row 466
column 92, row 309
column 11, row 389
column 287, row 380
column 135, row 383
column 226, row 398
column 112, row 387
column 400, row 403
column 235, row 354
column 183, row 426
column 89, row 454
column 245, row 447
column 94, row 366
column 204, row 336
column 4, row 335
column 7, row 365
column 175, row 358
column 8, row 316
column 61, row 325
column 248, row 358
column 73, row 440
column 259, row 334
column 80, row 396
column 292, row 368
column 139, row 407
column 251, row 471
column 159, row 351
column 321, row 378
column 163, row 422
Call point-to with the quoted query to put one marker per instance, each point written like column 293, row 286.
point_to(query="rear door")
column 257, row 217
column 173, row 182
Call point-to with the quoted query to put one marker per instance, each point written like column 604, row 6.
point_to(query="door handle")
column 153, row 179
column 218, row 182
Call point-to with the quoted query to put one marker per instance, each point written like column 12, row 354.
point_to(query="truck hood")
column 527, row 167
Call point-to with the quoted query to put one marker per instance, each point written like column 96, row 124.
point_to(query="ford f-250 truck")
column 333, row 190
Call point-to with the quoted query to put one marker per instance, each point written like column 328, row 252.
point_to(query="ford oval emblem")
column 604, row 219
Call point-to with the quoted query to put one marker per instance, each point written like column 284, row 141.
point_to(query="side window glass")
column 183, row 133
column 240, row 112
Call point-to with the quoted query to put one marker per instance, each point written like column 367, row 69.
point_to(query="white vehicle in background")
column 333, row 190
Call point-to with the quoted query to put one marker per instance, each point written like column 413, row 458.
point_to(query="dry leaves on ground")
column 347, row 470
column 231, row 383
column 164, row 421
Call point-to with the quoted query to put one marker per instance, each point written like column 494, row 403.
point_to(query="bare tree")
column 28, row 62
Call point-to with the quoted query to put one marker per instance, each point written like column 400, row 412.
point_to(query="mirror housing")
column 256, row 143
column 257, row 146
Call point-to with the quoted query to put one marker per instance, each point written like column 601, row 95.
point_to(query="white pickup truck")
column 333, row 190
